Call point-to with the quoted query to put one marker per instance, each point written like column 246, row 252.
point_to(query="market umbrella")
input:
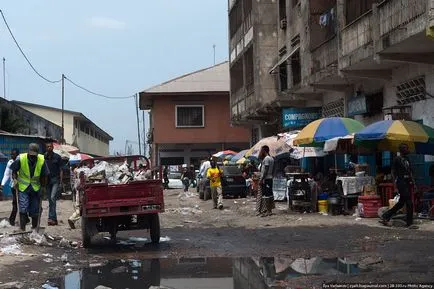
column 239, row 155
column 300, row 152
column 65, row 147
column 76, row 158
column 318, row 131
column 387, row 135
column 276, row 144
column 224, row 154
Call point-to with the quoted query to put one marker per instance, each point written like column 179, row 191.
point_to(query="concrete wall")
column 35, row 124
column 217, row 121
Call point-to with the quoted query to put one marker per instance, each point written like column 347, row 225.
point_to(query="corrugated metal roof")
column 211, row 79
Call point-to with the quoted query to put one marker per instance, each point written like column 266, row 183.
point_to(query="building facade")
column 365, row 59
column 79, row 131
column 190, row 117
column 15, row 119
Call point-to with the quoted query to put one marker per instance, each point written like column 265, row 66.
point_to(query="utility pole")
column 4, row 78
column 138, row 122
column 144, row 133
column 214, row 52
column 63, row 109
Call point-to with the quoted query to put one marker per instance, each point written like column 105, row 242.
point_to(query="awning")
column 284, row 58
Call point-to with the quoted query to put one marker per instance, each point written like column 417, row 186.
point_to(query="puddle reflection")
column 209, row 273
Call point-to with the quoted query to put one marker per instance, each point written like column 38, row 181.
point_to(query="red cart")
column 111, row 208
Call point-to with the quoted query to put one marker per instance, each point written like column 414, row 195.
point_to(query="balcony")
column 357, row 41
column 324, row 60
column 396, row 14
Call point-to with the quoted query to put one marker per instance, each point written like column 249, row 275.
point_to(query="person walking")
column 214, row 174
column 266, row 183
column 206, row 165
column 7, row 181
column 30, row 172
column 54, row 163
column 403, row 177
column 75, row 197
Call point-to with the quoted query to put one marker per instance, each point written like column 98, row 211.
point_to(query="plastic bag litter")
column 49, row 285
column 38, row 239
column 8, row 241
column 14, row 249
column 5, row 224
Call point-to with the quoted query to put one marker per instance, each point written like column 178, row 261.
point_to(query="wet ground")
column 205, row 248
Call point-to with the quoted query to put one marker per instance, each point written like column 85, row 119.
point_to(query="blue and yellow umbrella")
column 387, row 135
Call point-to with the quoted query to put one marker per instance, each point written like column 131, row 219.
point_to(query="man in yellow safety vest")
column 30, row 174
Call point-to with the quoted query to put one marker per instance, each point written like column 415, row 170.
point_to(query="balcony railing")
column 396, row 13
column 325, row 55
column 357, row 34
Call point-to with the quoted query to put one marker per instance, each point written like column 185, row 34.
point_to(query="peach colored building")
column 190, row 117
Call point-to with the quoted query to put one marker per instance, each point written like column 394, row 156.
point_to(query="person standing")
column 54, row 163
column 214, row 174
column 403, row 177
column 266, row 182
column 206, row 165
column 7, row 180
column 30, row 172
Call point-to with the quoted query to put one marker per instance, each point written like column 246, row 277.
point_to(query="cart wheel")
column 85, row 232
column 154, row 227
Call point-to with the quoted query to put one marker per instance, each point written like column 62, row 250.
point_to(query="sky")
column 112, row 49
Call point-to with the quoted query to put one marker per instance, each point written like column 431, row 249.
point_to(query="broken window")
column 282, row 10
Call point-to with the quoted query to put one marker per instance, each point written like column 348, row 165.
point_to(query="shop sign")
column 357, row 106
column 296, row 117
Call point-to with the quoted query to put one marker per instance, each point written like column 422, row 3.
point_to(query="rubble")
column 5, row 224
column 12, row 285
column 113, row 173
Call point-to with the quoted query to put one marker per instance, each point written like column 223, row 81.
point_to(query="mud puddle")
column 205, row 273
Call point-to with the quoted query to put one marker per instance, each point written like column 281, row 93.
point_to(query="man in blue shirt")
column 55, row 165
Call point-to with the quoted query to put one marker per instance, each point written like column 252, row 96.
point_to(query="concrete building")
column 190, row 117
column 357, row 58
column 79, row 130
column 15, row 119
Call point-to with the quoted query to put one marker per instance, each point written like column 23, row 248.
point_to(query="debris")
column 67, row 265
column 118, row 270
column 37, row 239
column 323, row 213
column 14, row 249
column 357, row 219
column 235, row 202
column 64, row 243
column 367, row 238
column 165, row 239
column 50, row 285
column 102, row 287
column 299, row 219
column 137, row 239
column 5, row 224
column 47, row 255
column 12, row 285
column 64, row 258
column 93, row 265
column 34, row 272
column 48, row 260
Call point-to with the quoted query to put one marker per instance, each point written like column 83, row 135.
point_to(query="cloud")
column 107, row 23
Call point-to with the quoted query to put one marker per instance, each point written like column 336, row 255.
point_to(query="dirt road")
column 191, row 228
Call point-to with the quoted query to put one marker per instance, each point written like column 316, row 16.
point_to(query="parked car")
column 233, row 182
column 175, row 181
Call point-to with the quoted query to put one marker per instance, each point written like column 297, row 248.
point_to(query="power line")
column 97, row 94
column 22, row 52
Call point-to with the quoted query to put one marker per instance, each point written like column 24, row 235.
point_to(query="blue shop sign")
column 296, row 117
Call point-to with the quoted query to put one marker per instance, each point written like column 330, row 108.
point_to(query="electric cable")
column 95, row 93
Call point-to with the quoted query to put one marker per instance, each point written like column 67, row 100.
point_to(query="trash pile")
column 113, row 173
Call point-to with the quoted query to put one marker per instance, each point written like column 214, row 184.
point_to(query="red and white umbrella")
column 64, row 147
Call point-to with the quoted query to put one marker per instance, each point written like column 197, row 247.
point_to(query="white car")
column 175, row 181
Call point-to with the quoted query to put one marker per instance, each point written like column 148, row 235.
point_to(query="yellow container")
column 323, row 206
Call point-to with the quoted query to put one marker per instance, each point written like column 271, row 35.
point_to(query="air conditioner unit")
column 283, row 23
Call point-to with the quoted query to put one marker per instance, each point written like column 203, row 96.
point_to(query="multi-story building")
column 355, row 58
column 78, row 129
column 190, row 117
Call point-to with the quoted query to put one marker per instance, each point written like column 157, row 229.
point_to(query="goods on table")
column 369, row 190
column 113, row 173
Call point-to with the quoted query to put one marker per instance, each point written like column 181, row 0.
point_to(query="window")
column 356, row 8
column 87, row 130
column 190, row 116
column 283, row 76
column 411, row 91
